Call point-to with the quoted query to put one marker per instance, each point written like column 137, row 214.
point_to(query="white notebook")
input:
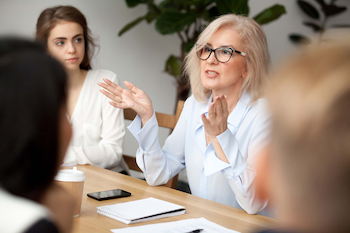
column 141, row 210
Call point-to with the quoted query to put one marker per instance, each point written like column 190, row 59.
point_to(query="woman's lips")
column 211, row 73
column 72, row 59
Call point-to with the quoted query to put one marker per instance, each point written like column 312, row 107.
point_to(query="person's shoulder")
column 192, row 103
column 100, row 74
column 43, row 225
column 30, row 212
column 259, row 106
column 260, row 103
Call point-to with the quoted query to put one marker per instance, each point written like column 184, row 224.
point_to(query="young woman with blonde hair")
column 222, row 125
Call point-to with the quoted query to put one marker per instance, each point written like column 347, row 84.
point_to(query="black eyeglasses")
column 222, row 54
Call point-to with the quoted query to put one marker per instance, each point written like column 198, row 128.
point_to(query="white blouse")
column 208, row 176
column 98, row 127
column 18, row 214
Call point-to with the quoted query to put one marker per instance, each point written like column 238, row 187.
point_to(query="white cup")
column 73, row 181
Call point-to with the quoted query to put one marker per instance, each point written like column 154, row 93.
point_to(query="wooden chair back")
column 164, row 120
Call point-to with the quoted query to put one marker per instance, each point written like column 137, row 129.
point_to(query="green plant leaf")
column 189, row 45
column 270, row 14
column 335, row 10
column 133, row 3
column 170, row 21
column 153, row 13
column 331, row 9
column 172, row 66
column 210, row 14
column 308, row 9
column 239, row 7
column 314, row 26
column 299, row 39
column 168, row 5
column 130, row 25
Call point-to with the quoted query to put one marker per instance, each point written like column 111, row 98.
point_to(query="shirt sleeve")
column 240, row 171
column 108, row 153
column 159, row 164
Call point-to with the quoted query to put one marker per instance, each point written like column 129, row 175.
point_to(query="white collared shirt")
column 98, row 127
column 208, row 176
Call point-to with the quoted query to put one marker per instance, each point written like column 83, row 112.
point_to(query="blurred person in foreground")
column 306, row 170
column 223, row 124
column 34, row 136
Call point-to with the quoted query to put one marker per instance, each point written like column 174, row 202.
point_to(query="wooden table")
column 98, row 179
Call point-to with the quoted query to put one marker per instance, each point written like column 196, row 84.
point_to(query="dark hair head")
column 32, row 87
column 50, row 17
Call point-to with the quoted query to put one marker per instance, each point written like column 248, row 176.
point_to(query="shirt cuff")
column 147, row 136
column 212, row 163
column 135, row 127
column 229, row 145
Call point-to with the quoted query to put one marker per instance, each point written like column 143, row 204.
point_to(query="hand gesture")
column 216, row 122
column 133, row 98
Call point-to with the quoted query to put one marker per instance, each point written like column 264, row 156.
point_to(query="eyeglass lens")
column 223, row 54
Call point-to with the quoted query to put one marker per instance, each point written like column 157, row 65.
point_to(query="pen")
column 195, row 231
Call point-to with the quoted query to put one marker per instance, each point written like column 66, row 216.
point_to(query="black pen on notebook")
column 195, row 231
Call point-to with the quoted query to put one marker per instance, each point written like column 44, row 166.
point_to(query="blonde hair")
column 310, row 103
column 254, row 46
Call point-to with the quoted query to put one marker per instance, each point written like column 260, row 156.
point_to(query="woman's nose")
column 212, row 59
column 71, row 48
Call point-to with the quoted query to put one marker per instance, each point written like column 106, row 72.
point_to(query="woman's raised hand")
column 133, row 98
column 216, row 122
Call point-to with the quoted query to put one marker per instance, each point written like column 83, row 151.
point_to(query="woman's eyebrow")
column 231, row 46
column 64, row 38
column 60, row 38
column 77, row 35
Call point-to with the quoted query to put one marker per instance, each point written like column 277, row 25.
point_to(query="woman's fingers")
column 119, row 105
column 113, row 85
column 115, row 89
column 211, row 111
column 111, row 96
column 205, row 120
column 131, row 87
column 218, row 108
column 224, row 107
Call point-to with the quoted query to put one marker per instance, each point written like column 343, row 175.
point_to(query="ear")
column 263, row 165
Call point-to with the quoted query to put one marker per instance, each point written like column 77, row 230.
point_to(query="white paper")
column 182, row 226
column 141, row 210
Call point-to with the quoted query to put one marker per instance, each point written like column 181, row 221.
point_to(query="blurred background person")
column 223, row 124
column 34, row 134
column 306, row 169
column 98, row 128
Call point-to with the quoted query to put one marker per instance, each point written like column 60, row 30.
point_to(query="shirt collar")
column 236, row 115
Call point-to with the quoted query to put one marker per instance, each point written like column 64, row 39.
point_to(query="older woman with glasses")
column 223, row 124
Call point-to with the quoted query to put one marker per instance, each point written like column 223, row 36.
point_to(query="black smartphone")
column 110, row 194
